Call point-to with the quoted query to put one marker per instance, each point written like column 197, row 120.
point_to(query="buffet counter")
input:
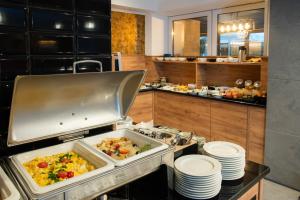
column 257, row 103
column 214, row 118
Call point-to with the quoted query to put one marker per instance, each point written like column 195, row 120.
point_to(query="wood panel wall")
column 179, row 73
column 128, row 33
column 138, row 62
column 226, row 75
column 182, row 112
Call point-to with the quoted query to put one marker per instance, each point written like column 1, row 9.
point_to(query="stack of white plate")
column 197, row 176
column 230, row 155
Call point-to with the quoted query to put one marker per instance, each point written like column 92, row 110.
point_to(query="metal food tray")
column 100, row 184
column 101, row 163
column 7, row 189
column 137, row 138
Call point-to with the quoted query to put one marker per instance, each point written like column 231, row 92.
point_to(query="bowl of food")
column 124, row 146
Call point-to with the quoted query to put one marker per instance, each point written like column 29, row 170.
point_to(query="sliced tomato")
column 62, row 174
column 66, row 160
column 70, row 174
column 117, row 146
column 43, row 165
column 123, row 151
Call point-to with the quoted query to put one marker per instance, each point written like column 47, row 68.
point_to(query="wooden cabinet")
column 215, row 120
column 229, row 122
column 142, row 108
column 254, row 193
column 256, row 134
column 183, row 112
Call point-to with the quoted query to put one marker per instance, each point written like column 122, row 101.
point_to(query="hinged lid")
column 53, row 105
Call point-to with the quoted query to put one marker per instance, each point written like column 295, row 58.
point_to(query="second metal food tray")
column 137, row 138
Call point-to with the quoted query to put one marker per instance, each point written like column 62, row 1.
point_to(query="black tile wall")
column 51, row 65
column 51, row 44
column 46, row 37
column 53, row 4
column 51, row 20
column 93, row 25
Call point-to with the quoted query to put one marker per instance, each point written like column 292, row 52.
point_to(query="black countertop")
column 238, row 101
column 232, row 190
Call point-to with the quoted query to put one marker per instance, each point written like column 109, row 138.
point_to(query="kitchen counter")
column 232, row 190
column 243, row 102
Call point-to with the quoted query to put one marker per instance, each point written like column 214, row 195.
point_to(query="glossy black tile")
column 12, row 43
column 6, row 90
column 93, row 24
column 51, row 65
column 11, row 67
column 92, row 67
column 51, row 20
column 101, row 7
column 13, row 2
column 53, row 4
column 12, row 17
column 94, row 45
column 4, row 116
column 42, row 44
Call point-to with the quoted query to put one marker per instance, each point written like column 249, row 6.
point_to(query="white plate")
column 197, row 165
column 200, row 185
column 196, row 187
column 199, row 191
column 196, row 196
column 198, row 182
column 228, row 177
column 201, row 178
column 224, row 149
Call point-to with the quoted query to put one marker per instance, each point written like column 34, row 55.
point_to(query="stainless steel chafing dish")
column 68, row 106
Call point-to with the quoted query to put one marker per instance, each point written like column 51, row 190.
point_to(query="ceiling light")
column 228, row 29
column 234, row 27
column 247, row 26
column 222, row 29
column 241, row 27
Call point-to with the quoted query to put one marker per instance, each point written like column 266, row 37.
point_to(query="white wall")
column 157, row 31
column 148, row 5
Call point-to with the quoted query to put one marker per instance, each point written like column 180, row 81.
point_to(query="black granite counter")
column 231, row 190
column 238, row 101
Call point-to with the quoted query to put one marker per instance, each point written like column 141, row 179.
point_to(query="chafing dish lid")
column 48, row 106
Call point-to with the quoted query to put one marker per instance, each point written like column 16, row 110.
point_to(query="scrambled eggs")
column 121, row 148
column 51, row 169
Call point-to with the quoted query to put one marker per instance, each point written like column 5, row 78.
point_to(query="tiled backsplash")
column 46, row 37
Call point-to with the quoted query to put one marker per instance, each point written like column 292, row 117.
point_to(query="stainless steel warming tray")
column 67, row 106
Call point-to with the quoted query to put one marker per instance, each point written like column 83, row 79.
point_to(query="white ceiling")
column 176, row 7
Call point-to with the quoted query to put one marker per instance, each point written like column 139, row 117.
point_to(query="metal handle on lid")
column 87, row 61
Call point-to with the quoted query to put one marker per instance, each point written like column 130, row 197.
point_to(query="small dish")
column 202, row 59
